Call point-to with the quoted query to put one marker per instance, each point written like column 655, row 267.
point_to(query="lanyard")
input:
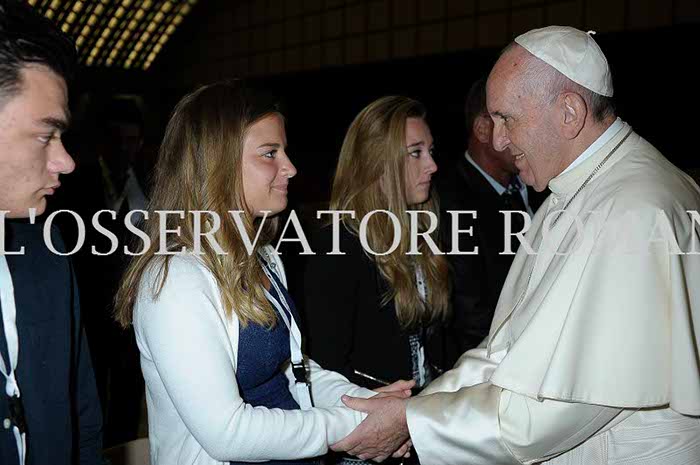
column 297, row 358
column 420, row 284
column 423, row 292
column 9, row 314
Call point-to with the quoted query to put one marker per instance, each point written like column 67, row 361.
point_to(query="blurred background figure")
column 124, row 171
column 112, row 174
column 125, row 176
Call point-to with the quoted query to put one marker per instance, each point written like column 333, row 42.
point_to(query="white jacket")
column 189, row 352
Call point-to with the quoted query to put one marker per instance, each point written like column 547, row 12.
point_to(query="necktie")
column 513, row 200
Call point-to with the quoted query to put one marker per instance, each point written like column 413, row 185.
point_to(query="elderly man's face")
column 522, row 123
column 31, row 153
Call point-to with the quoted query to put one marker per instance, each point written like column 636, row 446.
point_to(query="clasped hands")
column 384, row 432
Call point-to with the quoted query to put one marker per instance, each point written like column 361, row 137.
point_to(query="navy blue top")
column 261, row 353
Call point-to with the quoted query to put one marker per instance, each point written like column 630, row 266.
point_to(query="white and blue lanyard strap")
column 297, row 358
column 423, row 292
column 9, row 315
column 420, row 284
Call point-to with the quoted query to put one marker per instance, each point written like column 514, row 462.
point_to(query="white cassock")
column 592, row 357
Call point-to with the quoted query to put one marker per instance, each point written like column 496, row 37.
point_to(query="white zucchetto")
column 573, row 53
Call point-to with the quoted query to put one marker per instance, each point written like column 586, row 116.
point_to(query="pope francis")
column 592, row 357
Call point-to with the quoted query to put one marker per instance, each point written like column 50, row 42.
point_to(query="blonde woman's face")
column 266, row 167
column 419, row 166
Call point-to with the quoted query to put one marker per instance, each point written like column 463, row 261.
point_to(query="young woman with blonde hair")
column 378, row 317
column 216, row 328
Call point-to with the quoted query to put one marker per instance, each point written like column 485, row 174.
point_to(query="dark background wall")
column 327, row 59
column 262, row 37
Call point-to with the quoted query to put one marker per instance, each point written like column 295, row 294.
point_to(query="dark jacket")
column 477, row 279
column 347, row 326
column 64, row 424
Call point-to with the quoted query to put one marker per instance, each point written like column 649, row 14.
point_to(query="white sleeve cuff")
column 458, row 427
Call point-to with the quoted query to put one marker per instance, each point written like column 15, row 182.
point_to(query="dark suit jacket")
column 348, row 328
column 477, row 279
column 54, row 371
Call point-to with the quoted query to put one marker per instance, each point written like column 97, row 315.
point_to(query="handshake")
column 384, row 432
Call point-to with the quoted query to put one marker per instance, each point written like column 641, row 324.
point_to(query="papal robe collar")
column 572, row 178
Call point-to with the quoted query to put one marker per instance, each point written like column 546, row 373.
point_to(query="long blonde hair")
column 200, row 168
column 370, row 176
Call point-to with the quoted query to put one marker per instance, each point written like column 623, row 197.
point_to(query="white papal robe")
column 592, row 357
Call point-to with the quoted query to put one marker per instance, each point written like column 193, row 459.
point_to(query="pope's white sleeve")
column 459, row 427
column 486, row 425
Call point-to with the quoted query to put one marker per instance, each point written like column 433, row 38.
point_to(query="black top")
column 54, row 373
column 347, row 327
column 477, row 279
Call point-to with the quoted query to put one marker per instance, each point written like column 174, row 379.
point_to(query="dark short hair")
column 123, row 110
column 475, row 104
column 26, row 37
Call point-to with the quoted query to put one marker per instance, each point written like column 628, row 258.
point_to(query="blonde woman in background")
column 217, row 331
column 374, row 318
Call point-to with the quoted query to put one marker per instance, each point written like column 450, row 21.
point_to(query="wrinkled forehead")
column 496, row 92
column 504, row 80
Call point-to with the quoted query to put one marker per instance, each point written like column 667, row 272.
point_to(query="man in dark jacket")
column 49, row 410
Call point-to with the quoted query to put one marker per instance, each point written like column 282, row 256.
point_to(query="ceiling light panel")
column 126, row 34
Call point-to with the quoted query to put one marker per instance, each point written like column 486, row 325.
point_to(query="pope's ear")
column 574, row 111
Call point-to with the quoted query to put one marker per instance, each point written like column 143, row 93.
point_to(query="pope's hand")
column 383, row 433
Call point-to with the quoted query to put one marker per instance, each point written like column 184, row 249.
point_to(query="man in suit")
column 124, row 180
column 484, row 181
column 49, row 410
